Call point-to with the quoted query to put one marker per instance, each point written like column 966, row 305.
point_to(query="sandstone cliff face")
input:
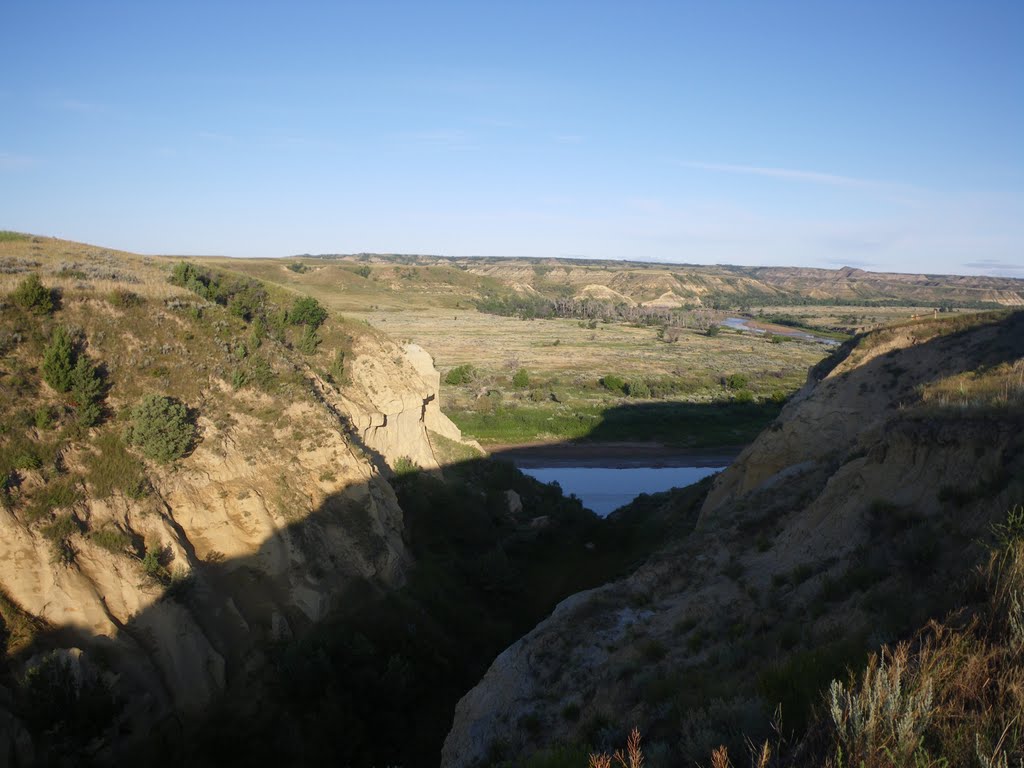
column 396, row 410
column 856, row 476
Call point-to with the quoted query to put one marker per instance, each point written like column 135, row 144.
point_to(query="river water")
column 743, row 324
column 604, row 489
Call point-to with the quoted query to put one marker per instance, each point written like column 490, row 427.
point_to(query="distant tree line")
column 529, row 307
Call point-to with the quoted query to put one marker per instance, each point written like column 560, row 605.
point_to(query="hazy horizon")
column 879, row 137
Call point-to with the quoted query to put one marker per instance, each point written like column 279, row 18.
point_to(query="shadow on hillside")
column 654, row 434
column 903, row 373
column 366, row 674
column 363, row 673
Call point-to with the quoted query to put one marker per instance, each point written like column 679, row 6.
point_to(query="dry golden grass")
column 954, row 695
column 633, row 757
column 999, row 387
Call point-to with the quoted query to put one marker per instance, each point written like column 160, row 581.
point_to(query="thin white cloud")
column 789, row 174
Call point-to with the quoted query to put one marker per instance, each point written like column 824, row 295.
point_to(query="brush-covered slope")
column 846, row 524
column 192, row 465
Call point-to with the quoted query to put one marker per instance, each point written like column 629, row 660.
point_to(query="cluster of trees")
column 248, row 300
column 592, row 311
column 531, row 307
column 67, row 370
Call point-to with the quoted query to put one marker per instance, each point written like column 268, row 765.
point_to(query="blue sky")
column 875, row 134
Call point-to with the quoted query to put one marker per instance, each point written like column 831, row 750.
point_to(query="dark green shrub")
column 187, row 276
column 460, row 374
column 613, row 383
column 338, row 366
column 713, row 330
column 744, row 396
column 307, row 311
column 153, row 568
column 257, row 333
column 405, row 466
column 309, row 341
column 161, row 428
column 521, row 379
column 59, row 360
column 363, row 271
column 112, row 539
column 261, row 374
column 87, row 391
column 248, row 301
column 737, row 381
column 638, row 388
column 32, row 295
column 119, row 297
column 61, row 527
column 42, row 418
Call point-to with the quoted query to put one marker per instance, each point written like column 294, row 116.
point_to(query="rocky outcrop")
column 396, row 408
column 830, row 513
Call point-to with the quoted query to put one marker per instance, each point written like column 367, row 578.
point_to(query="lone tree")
column 307, row 311
column 161, row 428
column 87, row 391
column 59, row 360
column 32, row 295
